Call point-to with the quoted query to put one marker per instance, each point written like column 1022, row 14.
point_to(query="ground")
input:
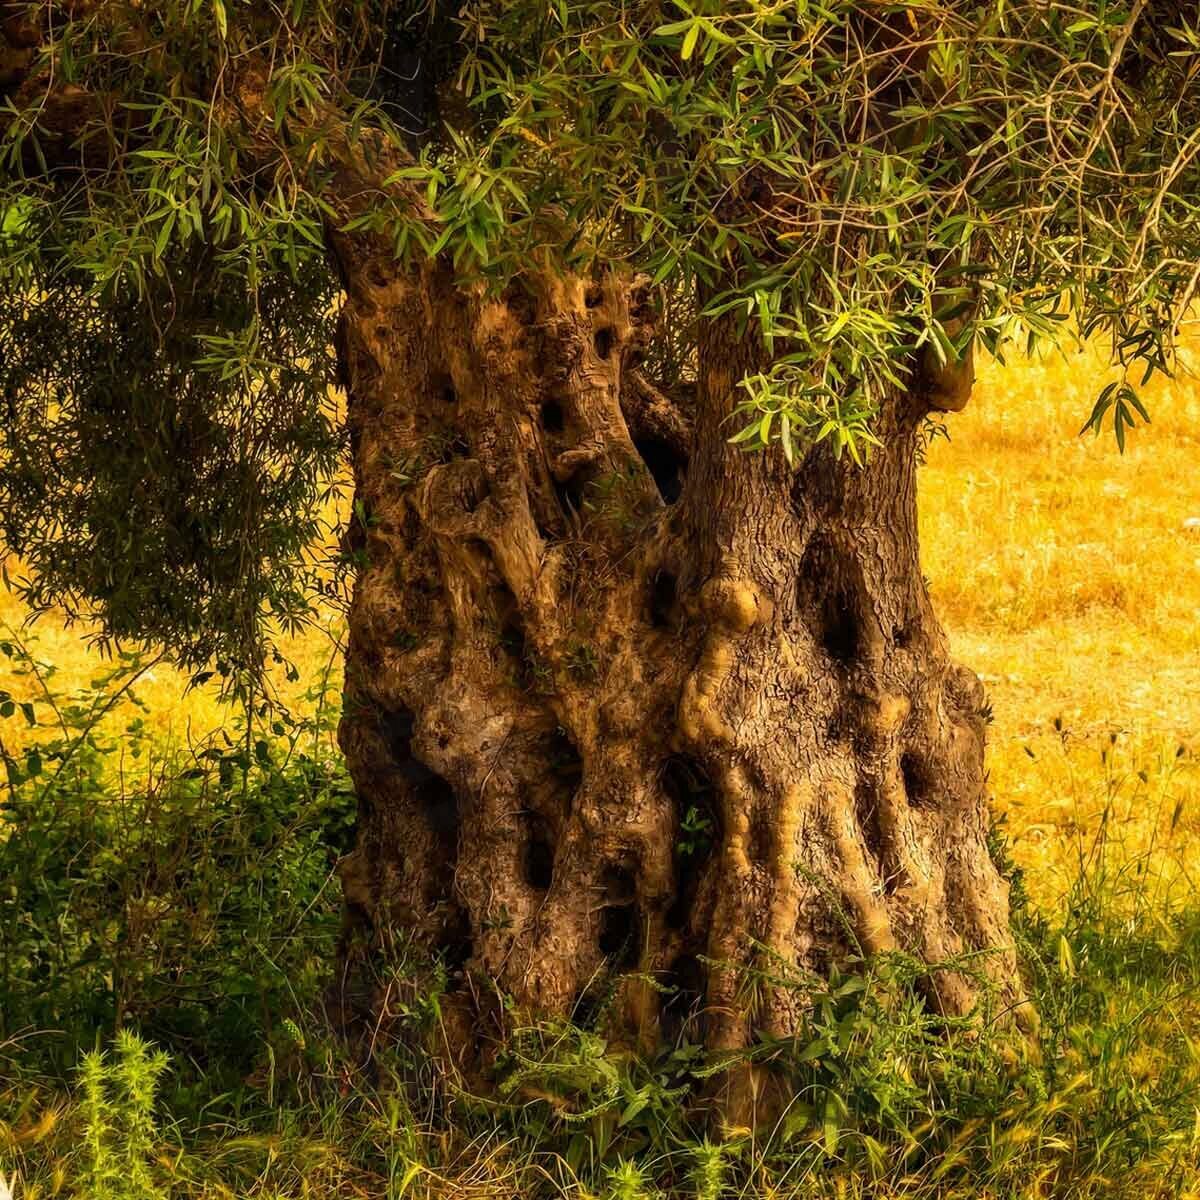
column 1066, row 574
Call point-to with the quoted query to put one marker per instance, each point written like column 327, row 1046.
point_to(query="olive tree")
column 643, row 311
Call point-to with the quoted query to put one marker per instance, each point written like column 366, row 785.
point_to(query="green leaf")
column 830, row 1126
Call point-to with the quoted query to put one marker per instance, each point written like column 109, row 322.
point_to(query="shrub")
column 188, row 895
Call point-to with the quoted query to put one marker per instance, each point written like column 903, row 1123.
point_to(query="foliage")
column 166, row 341
column 869, row 185
column 189, row 895
column 859, row 180
column 170, row 471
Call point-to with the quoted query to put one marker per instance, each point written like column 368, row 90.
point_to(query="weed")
column 581, row 660
column 695, row 832
column 118, row 1124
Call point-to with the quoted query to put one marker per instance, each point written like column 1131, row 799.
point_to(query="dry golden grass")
column 1064, row 574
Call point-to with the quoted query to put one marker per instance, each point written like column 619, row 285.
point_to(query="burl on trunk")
column 623, row 701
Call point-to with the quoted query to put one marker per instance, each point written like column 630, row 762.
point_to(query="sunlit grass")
column 1067, row 575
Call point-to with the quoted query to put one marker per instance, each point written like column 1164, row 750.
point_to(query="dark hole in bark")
column 593, row 295
column 620, row 935
column 524, row 664
column 441, row 811
column 618, row 884
column 620, row 918
column 397, row 730
column 443, row 386
column 436, row 797
column 665, row 464
column 697, row 831
column 919, row 785
column 827, row 600
column 571, row 492
column 839, row 627
column 563, row 756
column 553, row 418
column 456, row 947
column 662, row 600
column 686, row 982
column 355, row 917
column 759, row 849
column 902, row 637
column 512, row 638
column 538, row 864
column 604, row 341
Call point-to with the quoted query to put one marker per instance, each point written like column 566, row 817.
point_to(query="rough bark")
column 587, row 625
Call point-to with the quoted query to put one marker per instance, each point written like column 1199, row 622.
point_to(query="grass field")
column 1067, row 576
column 1064, row 573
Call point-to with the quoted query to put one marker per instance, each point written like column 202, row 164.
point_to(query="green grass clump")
column 186, row 892
column 168, row 925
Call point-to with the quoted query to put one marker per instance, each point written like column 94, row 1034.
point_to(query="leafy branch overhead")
column 862, row 180
column 876, row 186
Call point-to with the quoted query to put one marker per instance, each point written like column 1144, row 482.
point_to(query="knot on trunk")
column 943, row 384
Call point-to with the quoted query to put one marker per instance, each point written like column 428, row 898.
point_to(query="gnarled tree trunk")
column 622, row 700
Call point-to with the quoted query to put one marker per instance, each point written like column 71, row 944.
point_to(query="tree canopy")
column 874, row 185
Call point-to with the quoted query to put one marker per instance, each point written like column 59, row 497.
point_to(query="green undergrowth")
column 169, row 924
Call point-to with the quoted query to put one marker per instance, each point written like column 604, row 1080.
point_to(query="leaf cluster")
column 859, row 181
